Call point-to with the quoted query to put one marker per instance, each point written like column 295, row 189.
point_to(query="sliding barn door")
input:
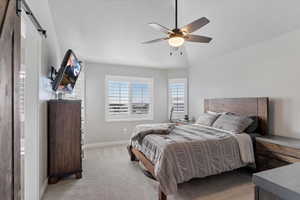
column 9, row 101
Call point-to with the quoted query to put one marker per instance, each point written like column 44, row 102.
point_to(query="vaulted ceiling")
column 111, row 31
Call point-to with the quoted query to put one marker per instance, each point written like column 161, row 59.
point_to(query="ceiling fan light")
column 176, row 41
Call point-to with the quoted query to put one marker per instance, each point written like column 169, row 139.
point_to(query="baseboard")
column 104, row 144
column 43, row 188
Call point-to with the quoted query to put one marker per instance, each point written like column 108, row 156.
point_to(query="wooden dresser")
column 276, row 151
column 64, row 139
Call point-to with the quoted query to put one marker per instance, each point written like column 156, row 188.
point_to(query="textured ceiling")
column 111, row 31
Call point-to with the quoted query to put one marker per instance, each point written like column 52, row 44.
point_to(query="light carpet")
column 109, row 175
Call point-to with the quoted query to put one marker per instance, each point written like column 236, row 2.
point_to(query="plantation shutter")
column 140, row 102
column 129, row 98
column 118, row 98
column 178, row 97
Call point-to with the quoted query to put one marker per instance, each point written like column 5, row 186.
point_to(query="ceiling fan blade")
column 160, row 28
column 198, row 38
column 195, row 25
column 156, row 40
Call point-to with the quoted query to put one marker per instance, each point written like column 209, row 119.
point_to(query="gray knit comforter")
column 188, row 152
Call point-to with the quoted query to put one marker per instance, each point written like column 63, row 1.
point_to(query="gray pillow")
column 252, row 128
column 234, row 123
column 207, row 119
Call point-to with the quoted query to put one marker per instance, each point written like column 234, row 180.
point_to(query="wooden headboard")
column 244, row 106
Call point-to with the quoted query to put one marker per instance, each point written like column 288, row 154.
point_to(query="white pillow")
column 207, row 119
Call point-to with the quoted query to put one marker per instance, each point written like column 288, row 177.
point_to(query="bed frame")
column 257, row 106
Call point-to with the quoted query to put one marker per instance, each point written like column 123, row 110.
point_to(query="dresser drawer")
column 266, row 147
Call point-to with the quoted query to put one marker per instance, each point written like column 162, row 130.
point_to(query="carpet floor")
column 109, row 175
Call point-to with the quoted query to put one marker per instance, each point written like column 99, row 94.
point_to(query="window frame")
column 177, row 115
column 129, row 116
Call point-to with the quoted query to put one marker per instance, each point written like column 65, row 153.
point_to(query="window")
column 178, row 98
column 129, row 98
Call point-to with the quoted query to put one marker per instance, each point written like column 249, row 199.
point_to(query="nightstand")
column 276, row 151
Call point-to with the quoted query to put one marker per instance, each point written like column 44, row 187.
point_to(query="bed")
column 216, row 152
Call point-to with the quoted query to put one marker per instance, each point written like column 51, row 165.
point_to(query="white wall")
column 178, row 73
column 51, row 56
column 270, row 69
column 100, row 131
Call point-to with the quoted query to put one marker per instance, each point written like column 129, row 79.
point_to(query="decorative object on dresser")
column 278, row 184
column 64, row 139
column 276, row 151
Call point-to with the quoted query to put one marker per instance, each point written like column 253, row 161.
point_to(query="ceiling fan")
column 178, row 36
